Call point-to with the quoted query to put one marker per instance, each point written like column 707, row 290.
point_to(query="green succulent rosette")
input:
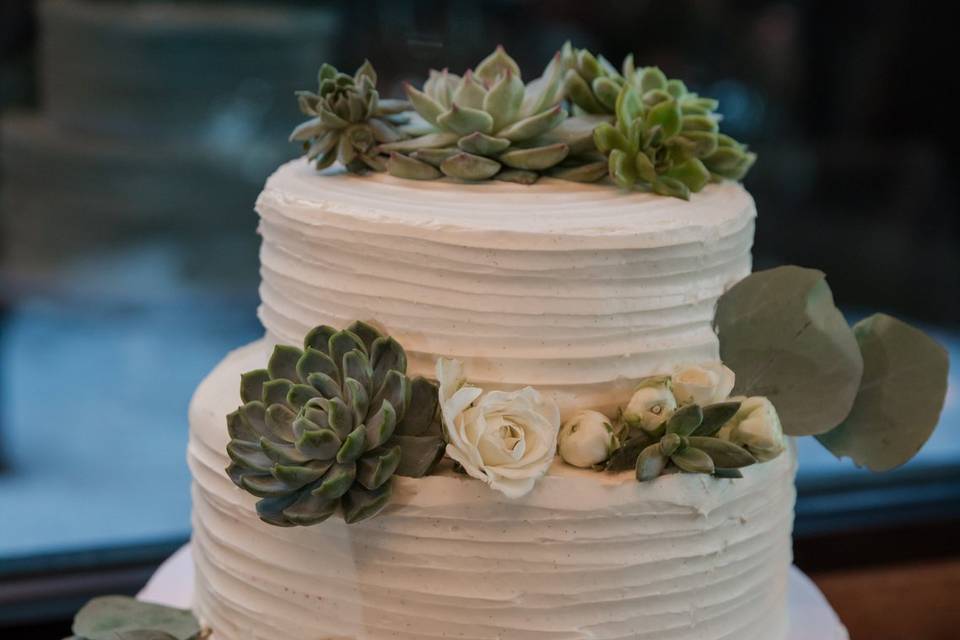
column 348, row 120
column 687, row 441
column 489, row 124
column 329, row 425
column 667, row 139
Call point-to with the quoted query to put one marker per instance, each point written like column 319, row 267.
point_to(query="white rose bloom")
column 702, row 384
column 652, row 404
column 756, row 427
column 506, row 439
column 587, row 439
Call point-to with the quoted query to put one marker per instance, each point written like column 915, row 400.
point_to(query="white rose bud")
column 587, row 439
column 702, row 384
column 652, row 404
column 756, row 427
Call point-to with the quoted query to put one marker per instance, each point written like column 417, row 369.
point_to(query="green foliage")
column 348, row 120
column 688, row 442
column 900, row 398
column 330, row 424
column 121, row 617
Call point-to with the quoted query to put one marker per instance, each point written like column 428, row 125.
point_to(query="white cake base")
column 811, row 616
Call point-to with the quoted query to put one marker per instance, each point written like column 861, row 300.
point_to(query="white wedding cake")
column 577, row 290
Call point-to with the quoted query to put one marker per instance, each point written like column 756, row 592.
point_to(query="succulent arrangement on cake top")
column 581, row 120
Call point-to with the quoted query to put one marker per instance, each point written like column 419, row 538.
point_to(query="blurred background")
column 135, row 136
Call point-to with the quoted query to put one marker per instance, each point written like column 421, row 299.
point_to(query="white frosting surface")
column 584, row 556
column 575, row 289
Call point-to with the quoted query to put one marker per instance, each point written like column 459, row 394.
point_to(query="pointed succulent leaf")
column 606, row 91
column 482, row 145
column 422, row 411
column 409, row 168
column 533, row 126
column 655, row 97
column 357, row 399
column 607, row 138
column 238, row 428
column 467, row 166
column 496, row 64
column 276, row 391
column 699, row 123
column 254, row 415
column 265, row 486
column 546, row 91
column 356, row 365
column 365, row 71
column 309, row 509
column 342, row 343
column 427, row 107
column 312, row 417
column 517, row 176
column 725, row 455
column 622, row 171
column 625, row 457
column 504, row 100
column 389, row 107
column 715, row 416
column 435, row 157
column 667, row 186
column 651, row 78
column 380, row 426
column 666, row 115
column 685, row 420
column 283, row 362
column 306, row 130
column 419, row 454
column 428, row 141
column 300, row 394
column 375, row 468
column 327, row 386
column 670, row 444
column 588, row 172
column 693, row 460
column 536, row 158
column 299, row 476
column 727, row 473
column 249, row 455
column 692, row 173
column 314, row 360
column 279, row 419
column 330, row 119
column 464, row 120
column 701, row 143
column 340, row 417
column 353, row 445
column 440, row 86
column 319, row 338
column 645, row 169
column 320, row 444
column 270, row 510
column 469, row 93
column 284, row 454
column 396, row 390
column 580, row 93
column 336, row 481
column 628, row 108
column 386, row 355
column 346, row 152
column 650, row 463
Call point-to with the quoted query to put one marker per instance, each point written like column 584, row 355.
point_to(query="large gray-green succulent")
column 329, row 425
column 488, row 124
column 348, row 119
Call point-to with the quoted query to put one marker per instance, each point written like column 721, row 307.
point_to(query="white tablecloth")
column 811, row 616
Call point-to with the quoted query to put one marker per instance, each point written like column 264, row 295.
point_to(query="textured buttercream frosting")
column 584, row 556
column 578, row 290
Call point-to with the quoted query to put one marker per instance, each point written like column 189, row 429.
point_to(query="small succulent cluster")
column 689, row 441
column 348, row 120
column 486, row 124
column 328, row 426
column 581, row 120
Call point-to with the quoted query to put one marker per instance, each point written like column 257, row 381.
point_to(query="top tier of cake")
column 577, row 290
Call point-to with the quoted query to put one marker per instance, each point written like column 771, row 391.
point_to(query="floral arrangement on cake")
column 581, row 120
column 325, row 428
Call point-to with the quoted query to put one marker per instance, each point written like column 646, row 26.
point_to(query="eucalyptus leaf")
column 108, row 617
column 900, row 398
column 782, row 334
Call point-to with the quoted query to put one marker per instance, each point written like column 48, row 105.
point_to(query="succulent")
column 590, row 82
column 486, row 124
column 687, row 441
column 667, row 139
column 329, row 425
column 348, row 120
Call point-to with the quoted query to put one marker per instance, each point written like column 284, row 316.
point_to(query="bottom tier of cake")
column 585, row 555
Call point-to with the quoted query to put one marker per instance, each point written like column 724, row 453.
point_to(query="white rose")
column 652, row 404
column 508, row 440
column 702, row 384
column 756, row 427
column 587, row 439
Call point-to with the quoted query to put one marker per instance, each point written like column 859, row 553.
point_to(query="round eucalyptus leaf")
column 903, row 391
column 785, row 339
column 110, row 617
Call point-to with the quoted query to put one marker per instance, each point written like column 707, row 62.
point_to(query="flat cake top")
column 549, row 215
